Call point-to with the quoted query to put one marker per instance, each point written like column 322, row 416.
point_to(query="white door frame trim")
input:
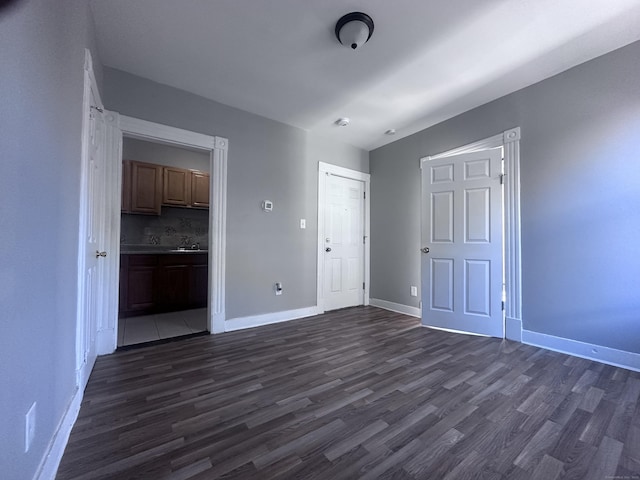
column 325, row 169
column 218, row 150
column 509, row 140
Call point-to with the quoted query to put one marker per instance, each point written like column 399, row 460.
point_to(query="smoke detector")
column 343, row 122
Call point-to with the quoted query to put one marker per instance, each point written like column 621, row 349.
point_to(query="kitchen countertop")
column 151, row 249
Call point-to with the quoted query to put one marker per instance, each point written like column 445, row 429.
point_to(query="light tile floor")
column 149, row 328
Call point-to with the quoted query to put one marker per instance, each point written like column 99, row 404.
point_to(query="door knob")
column 328, row 249
column 424, row 249
column 100, row 254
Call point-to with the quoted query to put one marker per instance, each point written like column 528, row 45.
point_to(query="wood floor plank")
column 355, row 440
column 398, row 458
column 419, row 466
column 540, row 443
column 548, row 469
column 355, row 393
column 605, row 462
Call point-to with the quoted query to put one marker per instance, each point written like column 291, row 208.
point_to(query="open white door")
column 92, row 230
column 462, row 243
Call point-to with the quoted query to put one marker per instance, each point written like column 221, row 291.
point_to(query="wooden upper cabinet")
column 146, row 188
column 200, row 189
column 185, row 188
column 176, row 188
column 126, row 186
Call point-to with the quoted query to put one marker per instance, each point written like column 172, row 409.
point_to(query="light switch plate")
column 303, row 223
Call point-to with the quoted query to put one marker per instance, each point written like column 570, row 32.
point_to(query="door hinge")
column 363, row 285
column 502, row 175
column 503, row 306
column 364, row 239
column 364, row 195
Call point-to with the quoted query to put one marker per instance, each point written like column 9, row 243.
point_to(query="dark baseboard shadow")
column 161, row 341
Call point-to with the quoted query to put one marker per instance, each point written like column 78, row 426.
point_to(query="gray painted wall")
column 580, row 179
column 42, row 58
column 319, row 149
column 267, row 160
column 141, row 151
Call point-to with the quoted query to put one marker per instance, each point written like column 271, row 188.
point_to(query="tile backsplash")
column 176, row 227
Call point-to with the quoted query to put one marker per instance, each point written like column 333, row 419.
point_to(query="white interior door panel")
column 462, row 231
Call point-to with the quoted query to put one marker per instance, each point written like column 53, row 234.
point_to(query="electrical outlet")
column 29, row 427
column 414, row 291
column 303, row 223
column 278, row 287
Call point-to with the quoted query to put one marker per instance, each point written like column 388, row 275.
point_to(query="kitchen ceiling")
column 426, row 61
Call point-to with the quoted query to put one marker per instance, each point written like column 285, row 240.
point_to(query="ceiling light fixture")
column 343, row 122
column 354, row 29
column 391, row 131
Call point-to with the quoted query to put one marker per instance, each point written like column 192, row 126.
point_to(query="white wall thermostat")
column 267, row 205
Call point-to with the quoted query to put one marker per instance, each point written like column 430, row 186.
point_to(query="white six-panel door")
column 342, row 245
column 462, row 243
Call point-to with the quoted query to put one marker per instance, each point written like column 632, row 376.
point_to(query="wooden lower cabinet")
column 175, row 287
column 157, row 283
column 199, row 286
column 142, row 281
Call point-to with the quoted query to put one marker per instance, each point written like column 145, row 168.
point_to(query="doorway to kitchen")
column 164, row 239
column 119, row 127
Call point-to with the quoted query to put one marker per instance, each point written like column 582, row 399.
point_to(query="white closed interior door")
column 462, row 230
column 343, row 245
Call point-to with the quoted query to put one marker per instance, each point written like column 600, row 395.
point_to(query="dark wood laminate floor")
column 358, row 393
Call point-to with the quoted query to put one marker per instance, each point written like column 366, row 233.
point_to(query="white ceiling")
column 426, row 61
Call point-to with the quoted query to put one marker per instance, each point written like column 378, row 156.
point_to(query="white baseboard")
column 217, row 322
column 51, row 461
column 104, row 341
column 396, row 307
column 241, row 323
column 610, row 356
column 513, row 329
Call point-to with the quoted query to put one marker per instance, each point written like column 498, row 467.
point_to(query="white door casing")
column 462, row 228
column 217, row 147
column 343, row 232
column 92, row 222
